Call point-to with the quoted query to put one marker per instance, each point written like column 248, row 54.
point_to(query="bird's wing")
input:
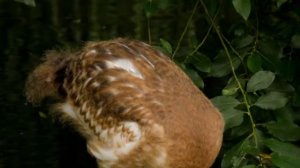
column 109, row 90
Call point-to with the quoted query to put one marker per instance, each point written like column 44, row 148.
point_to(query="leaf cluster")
column 255, row 63
column 244, row 54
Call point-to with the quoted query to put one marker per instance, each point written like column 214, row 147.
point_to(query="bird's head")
column 46, row 79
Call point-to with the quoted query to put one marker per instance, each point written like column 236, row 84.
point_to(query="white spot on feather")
column 83, row 108
column 108, row 52
column 98, row 68
column 145, row 44
column 111, row 78
column 147, row 60
column 156, row 102
column 98, row 112
column 92, row 122
column 95, row 84
column 130, row 85
column 98, row 129
column 114, row 91
column 104, row 134
column 91, row 52
column 101, row 153
column 87, row 82
column 161, row 158
column 87, row 115
column 68, row 109
column 134, row 129
column 126, row 65
column 125, row 46
column 77, row 98
column 134, row 53
column 117, row 143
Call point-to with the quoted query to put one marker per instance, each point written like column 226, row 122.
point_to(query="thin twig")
column 234, row 51
column 245, row 99
column 203, row 40
column 185, row 30
column 149, row 31
column 149, row 25
column 199, row 45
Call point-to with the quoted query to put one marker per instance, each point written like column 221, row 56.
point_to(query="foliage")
column 256, row 55
column 244, row 54
column 27, row 2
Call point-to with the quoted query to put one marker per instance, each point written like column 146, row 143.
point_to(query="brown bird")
column 132, row 104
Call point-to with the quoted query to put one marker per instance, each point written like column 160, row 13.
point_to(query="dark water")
column 28, row 136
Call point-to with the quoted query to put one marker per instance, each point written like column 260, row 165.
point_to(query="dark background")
column 29, row 137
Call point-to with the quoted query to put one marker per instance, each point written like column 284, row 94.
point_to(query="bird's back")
column 136, row 108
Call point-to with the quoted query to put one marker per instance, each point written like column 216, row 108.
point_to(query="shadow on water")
column 27, row 137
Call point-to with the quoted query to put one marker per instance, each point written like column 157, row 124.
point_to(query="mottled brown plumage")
column 132, row 104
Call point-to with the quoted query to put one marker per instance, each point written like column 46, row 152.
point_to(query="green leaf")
column 280, row 2
column 196, row 78
column 27, row 2
column 42, row 115
column 243, row 41
column 288, row 69
column 296, row 41
column 296, row 99
column 241, row 130
column 237, row 161
column 284, row 128
column 284, row 116
column 260, row 80
column 166, row 45
column 234, row 156
column 284, row 161
column 249, row 166
column 254, row 62
column 283, row 148
column 229, row 155
column 281, row 86
column 284, row 132
column 201, row 62
column 229, row 90
column 232, row 118
column 225, row 102
column 221, row 66
column 272, row 101
column 271, row 51
column 285, row 155
column 243, row 7
column 226, row 105
column 232, row 87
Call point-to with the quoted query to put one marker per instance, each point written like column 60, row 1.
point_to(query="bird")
column 131, row 103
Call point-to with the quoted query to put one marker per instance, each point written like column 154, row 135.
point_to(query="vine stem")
column 185, row 30
column 199, row 45
column 202, row 42
column 149, row 25
column 245, row 99
column 234, row 51
column 149, row 31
